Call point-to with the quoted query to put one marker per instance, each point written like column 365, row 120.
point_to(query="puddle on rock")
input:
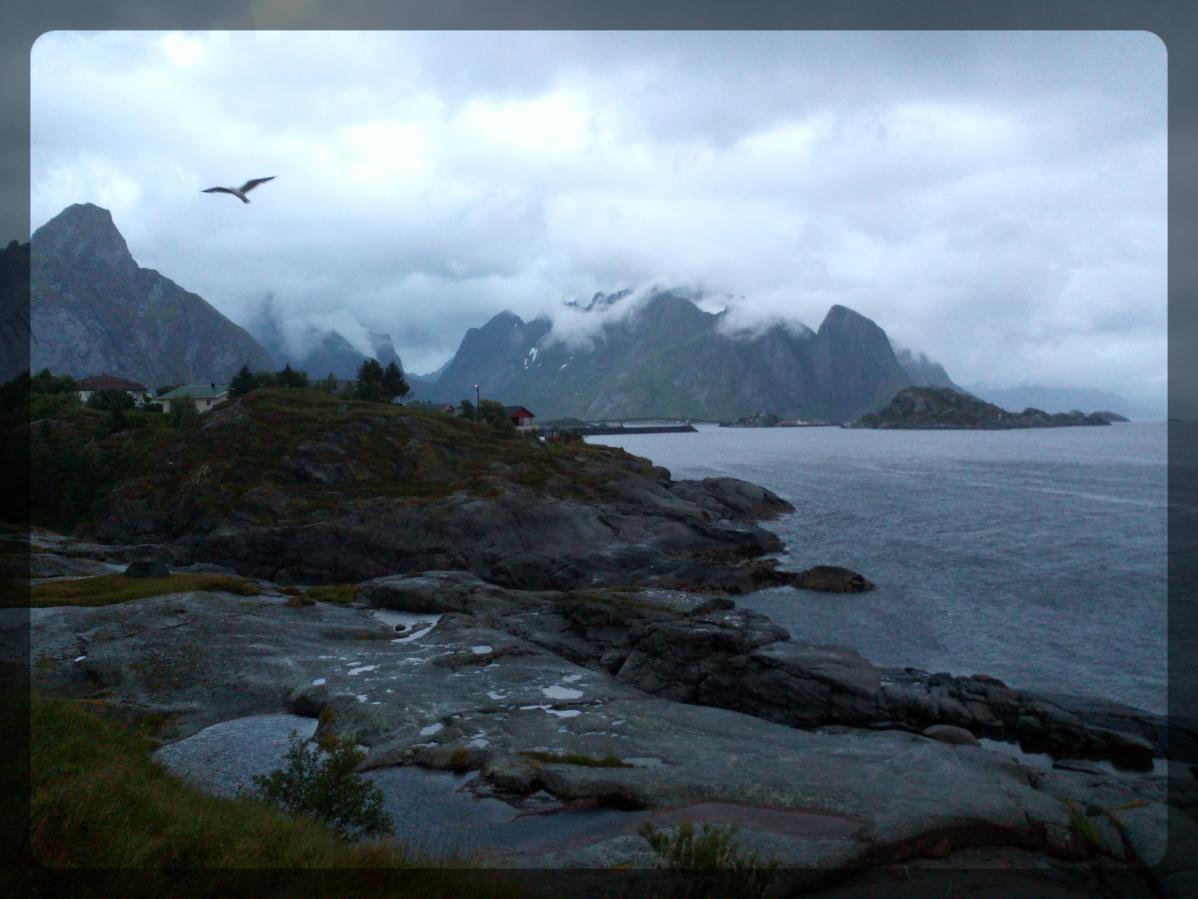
column 436, row 813
column 412, row 626
column 226, row 756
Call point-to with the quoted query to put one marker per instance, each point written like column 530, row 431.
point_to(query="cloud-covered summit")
column 996, row 190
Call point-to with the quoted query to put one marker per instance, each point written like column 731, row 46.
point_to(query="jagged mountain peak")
column 83, row 234
column 505, row 319
column 92, row 309
column 844, row 317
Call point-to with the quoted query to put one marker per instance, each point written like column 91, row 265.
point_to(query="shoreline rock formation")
column 942, row 408
column 562, row 605
column 819, row 757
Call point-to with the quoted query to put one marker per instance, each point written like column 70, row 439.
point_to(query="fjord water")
column 1036, row 556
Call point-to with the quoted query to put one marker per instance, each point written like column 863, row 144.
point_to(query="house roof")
column 196, row 391
column 105, row 381
column 515, row 410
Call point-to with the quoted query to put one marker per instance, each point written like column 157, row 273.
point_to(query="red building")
column 520, row 416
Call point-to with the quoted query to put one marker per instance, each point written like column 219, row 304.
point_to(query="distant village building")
column 520, row 416
column 204, row 396
column 90, row 386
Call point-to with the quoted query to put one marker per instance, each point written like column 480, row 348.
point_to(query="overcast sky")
column 994, row 199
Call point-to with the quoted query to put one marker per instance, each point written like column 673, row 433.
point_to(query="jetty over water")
column 587, row 430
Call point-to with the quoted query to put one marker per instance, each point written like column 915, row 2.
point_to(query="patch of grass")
column 341, row 594
column 107, row 589
column 576, row 758
column 459, row 762
column 711, row 862
column 100, row 801
column 300, row 601
column 1083, row 828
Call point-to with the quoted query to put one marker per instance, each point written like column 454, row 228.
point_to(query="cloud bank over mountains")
column 997, row 191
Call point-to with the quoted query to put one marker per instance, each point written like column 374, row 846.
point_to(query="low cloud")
column 996, row 200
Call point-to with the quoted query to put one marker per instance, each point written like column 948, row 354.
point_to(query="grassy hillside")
column 277, row 455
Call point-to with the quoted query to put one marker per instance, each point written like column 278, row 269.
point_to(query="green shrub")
column 323, row 785
column 98, row 800
column 711, row 863
column 110, row 400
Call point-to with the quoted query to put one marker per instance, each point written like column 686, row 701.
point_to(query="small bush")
column 711, row 863
column 322, row 785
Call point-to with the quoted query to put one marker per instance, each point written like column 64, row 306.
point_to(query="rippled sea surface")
column 1035, row 556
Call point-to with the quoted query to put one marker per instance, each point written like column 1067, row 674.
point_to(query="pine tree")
column 370, row 382
column 243, row 382
column 289, row 377
column 394, row 383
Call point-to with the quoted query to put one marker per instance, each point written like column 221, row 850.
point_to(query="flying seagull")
column 240, row 192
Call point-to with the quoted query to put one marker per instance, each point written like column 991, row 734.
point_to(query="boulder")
column 948, row 733
column 831, row 579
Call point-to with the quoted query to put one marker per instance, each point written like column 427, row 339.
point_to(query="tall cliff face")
column 93, row 309
column 669, row 358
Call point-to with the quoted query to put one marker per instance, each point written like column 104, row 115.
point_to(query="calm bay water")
column 1035, row 556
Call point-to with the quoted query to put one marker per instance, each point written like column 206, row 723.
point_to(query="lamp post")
column 478, row 412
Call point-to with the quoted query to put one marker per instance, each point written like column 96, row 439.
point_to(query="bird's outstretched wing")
column 254, row 182
column 222, row 190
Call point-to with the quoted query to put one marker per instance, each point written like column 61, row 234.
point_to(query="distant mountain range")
column 321, row 352
column 1064, row 399
column 94, row 309
column 666, row 357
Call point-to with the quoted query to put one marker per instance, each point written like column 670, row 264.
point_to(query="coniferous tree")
column 394, row 383
column 243, row 382
column 370, row 381
column 289, row 377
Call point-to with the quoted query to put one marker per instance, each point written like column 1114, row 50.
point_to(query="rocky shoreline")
column 825, row 762
column 568, row 635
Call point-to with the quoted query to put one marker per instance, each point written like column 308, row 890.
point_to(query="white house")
column 99, row 383
column 204, row 396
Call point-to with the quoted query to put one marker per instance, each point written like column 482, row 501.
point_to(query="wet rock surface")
column 709, row 710
column 832, row 579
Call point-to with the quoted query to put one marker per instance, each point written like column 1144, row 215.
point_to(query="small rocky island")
column 932, row 408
